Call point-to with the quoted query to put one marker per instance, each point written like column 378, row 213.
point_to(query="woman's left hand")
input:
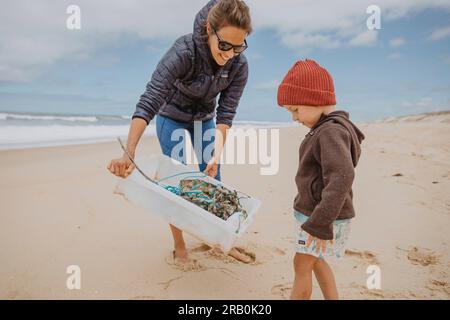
column 212, row 168
column 221, row 135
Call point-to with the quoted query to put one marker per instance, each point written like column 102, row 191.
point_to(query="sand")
column 58, row 209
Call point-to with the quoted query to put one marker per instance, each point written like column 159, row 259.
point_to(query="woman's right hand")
column 121, row 167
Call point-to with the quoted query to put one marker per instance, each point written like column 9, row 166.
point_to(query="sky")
column 402, row 68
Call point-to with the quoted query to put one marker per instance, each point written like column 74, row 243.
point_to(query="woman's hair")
column 230, row 13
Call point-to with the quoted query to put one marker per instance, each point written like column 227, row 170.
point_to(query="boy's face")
column 306, row 115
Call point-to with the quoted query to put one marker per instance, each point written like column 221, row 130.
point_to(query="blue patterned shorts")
column 341, row 231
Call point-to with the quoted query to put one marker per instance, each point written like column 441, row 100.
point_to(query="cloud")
column 394, row 56
column 365, row 39
column 255, row 55
column 342, row 22
column 427, row 104
column 441, row 88
column 307, row 42
column 407, row 104
column 33, row 34
column 153, row 49
column 397, row 42
column 267, row 85
column 424, row 102
column 440, row 34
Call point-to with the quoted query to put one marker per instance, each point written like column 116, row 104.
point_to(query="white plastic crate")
column 178, row 211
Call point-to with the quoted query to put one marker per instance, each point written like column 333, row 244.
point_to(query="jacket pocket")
column 315, row 190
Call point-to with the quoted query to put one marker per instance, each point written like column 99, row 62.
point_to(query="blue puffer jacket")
column 187, row 81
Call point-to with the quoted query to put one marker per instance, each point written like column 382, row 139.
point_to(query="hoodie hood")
column 199, row 33
column 342, row 118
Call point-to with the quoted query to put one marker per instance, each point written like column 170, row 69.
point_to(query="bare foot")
column 240, row 255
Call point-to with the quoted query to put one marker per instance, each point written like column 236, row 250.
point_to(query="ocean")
column 30, row 130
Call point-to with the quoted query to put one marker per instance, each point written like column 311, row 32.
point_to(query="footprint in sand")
column 422, row 256
column 282, row 290
column 278, row 251
column 376, row 294
column 370, row 293
column 201, row 248
column 249, row 256
column 367, row 256
column 252, row 253
column 240, row 255
column 11, row 295
column 169, row 282
column 264, row 253
column 237, row 255
column 190, row 265
column 381, row 294
column 439, row 285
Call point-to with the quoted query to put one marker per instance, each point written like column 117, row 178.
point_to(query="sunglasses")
column 226, row 46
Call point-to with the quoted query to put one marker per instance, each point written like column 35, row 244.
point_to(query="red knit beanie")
column 307, row 84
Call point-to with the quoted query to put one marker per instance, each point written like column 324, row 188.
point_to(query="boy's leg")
column 164, row 130
column 325, row 278
column 303, row 267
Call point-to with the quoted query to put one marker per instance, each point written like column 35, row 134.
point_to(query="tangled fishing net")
column 215, row 199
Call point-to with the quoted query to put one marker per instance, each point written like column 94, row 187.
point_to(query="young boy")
column 327, row 158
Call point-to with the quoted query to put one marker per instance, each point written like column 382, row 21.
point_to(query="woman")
column 183, row 90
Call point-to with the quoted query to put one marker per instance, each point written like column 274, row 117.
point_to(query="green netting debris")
column 215, row 199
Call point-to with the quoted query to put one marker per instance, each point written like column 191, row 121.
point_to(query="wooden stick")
column 131, row 159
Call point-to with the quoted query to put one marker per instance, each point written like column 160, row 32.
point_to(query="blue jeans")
column 169, row 140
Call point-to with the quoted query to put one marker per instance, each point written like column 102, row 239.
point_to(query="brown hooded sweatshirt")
column 328, row 157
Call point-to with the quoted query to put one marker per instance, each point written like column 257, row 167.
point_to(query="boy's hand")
column 321, row 244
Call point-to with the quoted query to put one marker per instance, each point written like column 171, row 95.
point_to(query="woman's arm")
column 221, row 138
column 230, row 97
column 219, row 143
column 137, row 128
column 174, row 65
column 228, row 103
